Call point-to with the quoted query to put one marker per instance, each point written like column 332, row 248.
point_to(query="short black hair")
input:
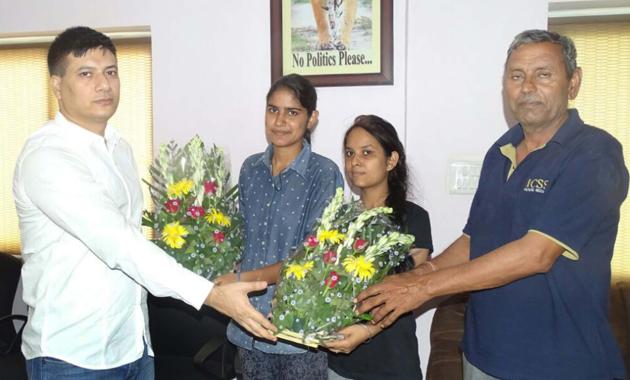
column 76, row 40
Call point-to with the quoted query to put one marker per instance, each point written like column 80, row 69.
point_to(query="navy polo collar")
column 566, row 132
column 299, row 165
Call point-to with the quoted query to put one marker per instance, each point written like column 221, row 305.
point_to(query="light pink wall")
column 211, row 72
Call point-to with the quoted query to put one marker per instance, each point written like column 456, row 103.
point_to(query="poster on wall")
column 333, row 42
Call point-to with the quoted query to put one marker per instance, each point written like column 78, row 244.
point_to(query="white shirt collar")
column 80, row 134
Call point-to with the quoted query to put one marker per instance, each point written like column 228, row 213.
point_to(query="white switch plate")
column 463, row 176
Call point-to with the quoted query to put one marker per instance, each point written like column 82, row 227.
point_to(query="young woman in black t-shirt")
column 376, row 169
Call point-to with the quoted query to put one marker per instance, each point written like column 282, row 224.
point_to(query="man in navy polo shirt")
column 536, row 250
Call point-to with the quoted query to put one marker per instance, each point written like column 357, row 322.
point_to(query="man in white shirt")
column 87, row 266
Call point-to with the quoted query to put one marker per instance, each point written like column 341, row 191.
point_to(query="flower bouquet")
column 196, row 216
column 350, row 249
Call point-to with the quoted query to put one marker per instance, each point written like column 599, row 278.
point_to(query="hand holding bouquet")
column 196, row 217
column 350, row 250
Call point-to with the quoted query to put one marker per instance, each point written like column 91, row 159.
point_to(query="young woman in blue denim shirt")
column 282, row 191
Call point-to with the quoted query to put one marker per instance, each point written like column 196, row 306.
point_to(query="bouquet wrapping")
column 196, row 218
column 349, row 250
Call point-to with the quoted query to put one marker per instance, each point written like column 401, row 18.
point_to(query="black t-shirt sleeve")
column 418, row 225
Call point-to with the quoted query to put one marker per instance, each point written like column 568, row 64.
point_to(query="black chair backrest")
column 12, row 364
column 10, row 267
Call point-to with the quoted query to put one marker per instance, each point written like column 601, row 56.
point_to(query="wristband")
column 434, row 267
column 368, row 331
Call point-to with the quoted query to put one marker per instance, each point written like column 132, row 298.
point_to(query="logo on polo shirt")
column 536, row 185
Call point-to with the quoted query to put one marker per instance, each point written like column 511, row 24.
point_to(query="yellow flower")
column 217, row 217
column 173, row 235
column 180, row 188
column 299, row 271
column 333, row 236
column 359, row 267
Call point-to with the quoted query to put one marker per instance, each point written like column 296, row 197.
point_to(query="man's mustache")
column 525, row 100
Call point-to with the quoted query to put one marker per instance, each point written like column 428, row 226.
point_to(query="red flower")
column 209, row 187
column 311, row 241
column 360, row 244
column 330, row 256
column 196, row 212
column 172, row 205
column 218, row 237
column 332, row 280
